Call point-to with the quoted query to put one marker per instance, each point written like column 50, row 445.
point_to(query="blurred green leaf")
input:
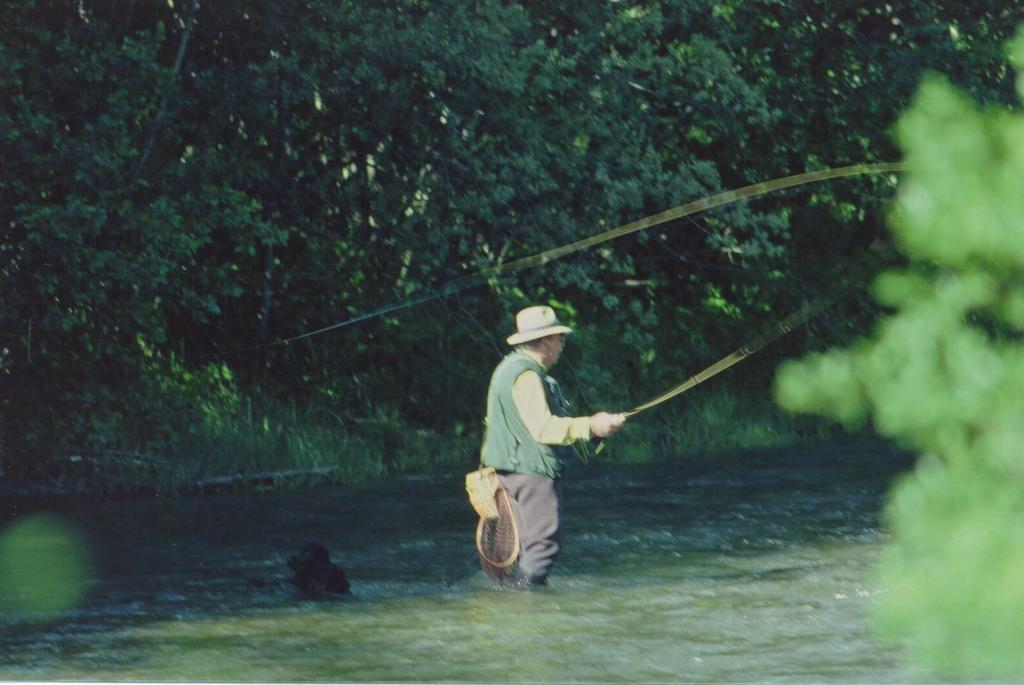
column 44, row 567
column 942, row 374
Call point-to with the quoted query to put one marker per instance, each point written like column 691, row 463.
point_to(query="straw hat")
column 536, row 322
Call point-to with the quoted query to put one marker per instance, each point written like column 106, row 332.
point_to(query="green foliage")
column 942, row 375
column 306, row 162
column 44, row 567
column 954, row 589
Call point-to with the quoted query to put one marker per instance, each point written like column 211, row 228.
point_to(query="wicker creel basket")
column 482, row 486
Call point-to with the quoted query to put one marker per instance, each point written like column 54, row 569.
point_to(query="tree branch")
column 179, row 59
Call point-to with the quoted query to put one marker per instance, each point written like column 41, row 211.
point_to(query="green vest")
column 508, row 445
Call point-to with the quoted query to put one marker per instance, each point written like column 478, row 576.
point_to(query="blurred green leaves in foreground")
column 44, row 567
column 944, row 375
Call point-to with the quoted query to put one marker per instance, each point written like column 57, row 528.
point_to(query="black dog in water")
column 314, row 571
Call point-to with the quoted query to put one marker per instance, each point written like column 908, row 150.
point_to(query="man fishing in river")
column 527, row 435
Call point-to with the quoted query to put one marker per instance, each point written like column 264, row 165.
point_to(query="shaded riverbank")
column 739, row 566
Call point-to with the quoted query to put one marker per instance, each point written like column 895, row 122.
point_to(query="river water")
column 733, row 567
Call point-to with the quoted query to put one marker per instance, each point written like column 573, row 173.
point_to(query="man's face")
column 551, row 348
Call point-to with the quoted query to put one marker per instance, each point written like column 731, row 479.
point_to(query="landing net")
column 497, row 540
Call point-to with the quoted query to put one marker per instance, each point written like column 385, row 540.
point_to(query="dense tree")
column 187, row 184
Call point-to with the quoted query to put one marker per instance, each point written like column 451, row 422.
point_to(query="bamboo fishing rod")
column 798, row 318
column 543, row 258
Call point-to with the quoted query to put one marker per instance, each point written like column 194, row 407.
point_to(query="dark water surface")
column 738, row 567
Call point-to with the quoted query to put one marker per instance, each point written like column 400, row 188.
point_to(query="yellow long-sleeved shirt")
column 545, row 427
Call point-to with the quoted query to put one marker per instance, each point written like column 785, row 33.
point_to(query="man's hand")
column 603, row 424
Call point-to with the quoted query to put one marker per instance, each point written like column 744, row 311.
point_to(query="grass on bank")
column 265, row 444
column 713, row 419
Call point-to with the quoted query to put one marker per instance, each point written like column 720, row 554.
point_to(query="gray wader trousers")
column 537, row 507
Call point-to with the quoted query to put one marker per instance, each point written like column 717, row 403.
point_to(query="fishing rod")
column 688, row 209
column 808, row 311
column 798, row 318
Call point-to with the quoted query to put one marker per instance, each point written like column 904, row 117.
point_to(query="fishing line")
column 798, row 318
column 472, row 280
column 542, row 258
